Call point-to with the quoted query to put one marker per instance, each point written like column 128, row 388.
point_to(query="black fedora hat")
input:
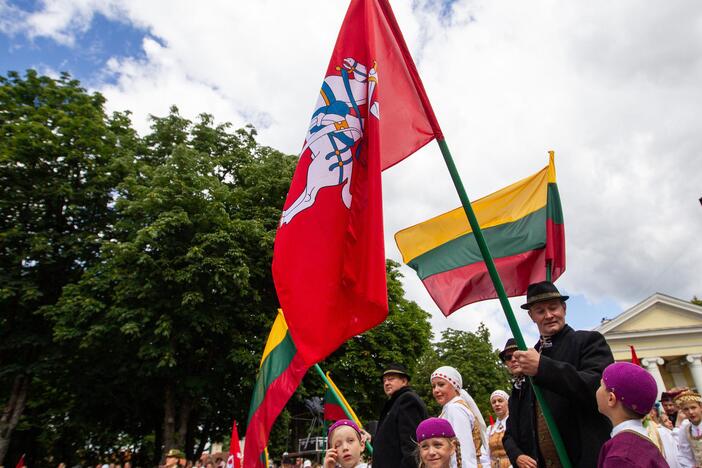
column 511, row 345
column 396, row 368
column 543, row 291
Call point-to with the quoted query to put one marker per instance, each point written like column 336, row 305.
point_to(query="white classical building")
column 667, row 335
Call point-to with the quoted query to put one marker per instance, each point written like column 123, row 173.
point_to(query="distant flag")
column 234, row 459
column 336, row 401
column 279, row 374
column 492, row 421
column 634, row 357
column 20, row 463
column 372, row 112
column 523, row 227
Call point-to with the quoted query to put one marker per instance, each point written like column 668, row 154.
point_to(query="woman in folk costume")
column 498, row 456
column 459, row 408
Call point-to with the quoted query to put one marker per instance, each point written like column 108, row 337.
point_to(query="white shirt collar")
column 630, row 425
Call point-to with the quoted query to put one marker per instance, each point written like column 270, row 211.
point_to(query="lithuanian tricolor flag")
column 523, row 227
column 279, row 375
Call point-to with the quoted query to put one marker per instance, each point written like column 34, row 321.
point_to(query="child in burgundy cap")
column 436, row 443
column 345, row 444
column 626, row 394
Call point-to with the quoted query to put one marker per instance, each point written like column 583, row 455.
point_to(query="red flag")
column 372, row 112
column 492, row 421
column 634, row 357
column 20, row 463
column 234, row 459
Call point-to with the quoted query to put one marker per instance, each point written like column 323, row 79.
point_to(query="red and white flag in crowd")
column 234, row 458
column 372, row 112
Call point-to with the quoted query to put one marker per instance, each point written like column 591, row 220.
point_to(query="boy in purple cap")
column 626, row 394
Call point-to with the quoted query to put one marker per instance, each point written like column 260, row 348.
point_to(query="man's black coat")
column 569, row 374
column 393, row 444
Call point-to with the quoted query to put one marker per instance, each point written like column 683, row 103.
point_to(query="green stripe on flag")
column 275, row 364
column 553, row 204
column 527, row 233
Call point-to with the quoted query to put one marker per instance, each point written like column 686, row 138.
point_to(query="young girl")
column 345, row 443
column 436, row 444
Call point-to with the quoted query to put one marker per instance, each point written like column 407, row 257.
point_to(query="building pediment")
column 657, row 314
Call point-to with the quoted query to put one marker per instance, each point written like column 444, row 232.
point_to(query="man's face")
column 693, row 411
column 549, row 316
column 669, row 407
column 511, row 362
column 171, row 461
column 393, row 382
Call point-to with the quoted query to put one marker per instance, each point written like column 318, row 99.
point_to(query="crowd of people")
column 606, row 413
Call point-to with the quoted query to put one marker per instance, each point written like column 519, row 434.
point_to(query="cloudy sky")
column 614, row 88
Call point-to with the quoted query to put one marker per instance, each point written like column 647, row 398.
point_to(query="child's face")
column 348, row 446
column 693, row 411
column 603, row 397
column 436, row 452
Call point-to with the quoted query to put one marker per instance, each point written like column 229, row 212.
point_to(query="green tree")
column 182, row 298
column 474, row 357
column 696, row 300
column 60, row 159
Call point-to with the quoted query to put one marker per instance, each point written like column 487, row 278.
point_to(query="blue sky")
column 612, row 88
column 86, row 61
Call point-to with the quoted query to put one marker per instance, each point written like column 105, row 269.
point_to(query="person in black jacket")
column 393, row 445
column 567, row 365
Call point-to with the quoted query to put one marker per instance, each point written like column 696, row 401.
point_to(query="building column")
column 651, row 364
column 675, row 369
column 695, row 365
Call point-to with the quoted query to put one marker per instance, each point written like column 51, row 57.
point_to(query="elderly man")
column 394, row 444
column 567, row 365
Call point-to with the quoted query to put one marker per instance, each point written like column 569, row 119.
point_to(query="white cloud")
column 612, row 88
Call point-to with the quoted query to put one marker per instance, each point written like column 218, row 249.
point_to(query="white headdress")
column 452, row 376
column 500, row 393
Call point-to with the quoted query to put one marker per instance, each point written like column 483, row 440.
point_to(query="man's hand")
column 527, row 362
column 525, row 461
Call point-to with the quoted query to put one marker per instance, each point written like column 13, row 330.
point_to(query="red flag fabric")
column 634, row 357
column 234, row 459
column 20, row 463
column 492, row 421
column 372, row 112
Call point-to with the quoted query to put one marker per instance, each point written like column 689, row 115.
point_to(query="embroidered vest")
column 695, row 444
column 498, row 455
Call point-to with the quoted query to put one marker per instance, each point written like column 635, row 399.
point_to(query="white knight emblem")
column 335, row 128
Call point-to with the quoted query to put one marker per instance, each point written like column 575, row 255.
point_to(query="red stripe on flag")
column 456, row 288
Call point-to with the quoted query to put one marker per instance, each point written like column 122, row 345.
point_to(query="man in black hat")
column 394, row 444
column 567, row 365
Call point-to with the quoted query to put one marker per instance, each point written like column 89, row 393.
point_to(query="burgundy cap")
column 434, row 427
column 343, row 422
column 632, row 385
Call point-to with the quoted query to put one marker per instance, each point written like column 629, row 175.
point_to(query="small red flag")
column 329, row 256
column 20, row 463
column 234, row 459
column 634, row 357
column 492, row 421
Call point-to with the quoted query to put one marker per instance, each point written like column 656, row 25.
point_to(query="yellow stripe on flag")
column 278, row 332
column 344, row 402
column 504, row 206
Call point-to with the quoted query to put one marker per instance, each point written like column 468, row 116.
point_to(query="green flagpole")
column 319, row 370
column 502, row 295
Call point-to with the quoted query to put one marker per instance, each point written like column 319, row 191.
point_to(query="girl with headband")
column 498, row 456
column 345, row 444
column 437, row 444
column 459, row 409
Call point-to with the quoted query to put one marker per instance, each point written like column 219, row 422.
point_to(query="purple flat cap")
column 434, row 427
column 343, row 422
column 632, row 385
